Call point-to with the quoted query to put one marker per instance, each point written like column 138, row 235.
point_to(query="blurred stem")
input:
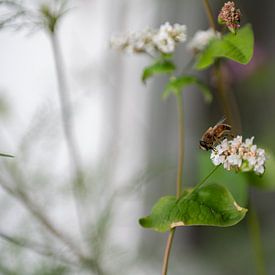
column 256, row 241
column 66, row 113
column 180, row 144
column 223, row 98
column 179, row 179
column 210, row 14
column 66, row 110
column 227, row 100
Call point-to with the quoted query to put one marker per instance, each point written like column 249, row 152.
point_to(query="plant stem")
column 197, row 186
column 66, row 110
column 66, row 113
column 210, row 15
column 180, row 144
column 179, row 180
column 225, row 102
column 167, row 251
column 256, row 241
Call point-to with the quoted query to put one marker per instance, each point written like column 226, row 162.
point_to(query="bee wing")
column 221, row 121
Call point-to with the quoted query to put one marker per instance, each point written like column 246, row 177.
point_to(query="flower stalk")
column 179, row 179
column 209, row 13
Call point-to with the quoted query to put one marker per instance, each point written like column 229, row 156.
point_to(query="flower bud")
column 230, row 16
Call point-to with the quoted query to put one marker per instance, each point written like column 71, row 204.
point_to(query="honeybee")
column 214, row 135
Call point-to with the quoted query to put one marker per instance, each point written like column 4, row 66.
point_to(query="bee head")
column 203, row 145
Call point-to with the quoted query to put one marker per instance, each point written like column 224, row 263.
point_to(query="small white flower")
column 201, row 39
column 249, row 141
column 238, row 155
column 234, row 160
column 236, row 142
column 216, row 158
column 179, row 33
column 259, row 169
column 162, row 40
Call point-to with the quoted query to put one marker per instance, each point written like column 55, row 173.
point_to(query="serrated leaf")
column 160, row 67
column 267, row 180
column 238, row 47
column 211, row 205
column 177, row 84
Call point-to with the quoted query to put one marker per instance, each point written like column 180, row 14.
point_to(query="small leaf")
column 267, row 180
column 177, row 84
column 238, row 47
column 160, row 67
column 211, row 205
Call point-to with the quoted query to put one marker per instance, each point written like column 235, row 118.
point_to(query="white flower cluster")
column 240, row 156
column 163, row 40
column 201, row 39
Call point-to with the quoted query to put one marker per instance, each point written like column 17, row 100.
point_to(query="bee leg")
column 229, row 135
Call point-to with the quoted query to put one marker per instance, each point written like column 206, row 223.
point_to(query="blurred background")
column 126, row 142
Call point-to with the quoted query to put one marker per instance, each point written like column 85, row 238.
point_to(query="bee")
column 214, row 135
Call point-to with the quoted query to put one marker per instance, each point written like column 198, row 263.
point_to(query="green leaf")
column 177, row 84
column 211, row 205
column 238, row 47
column 162, row 66
column 267, row 180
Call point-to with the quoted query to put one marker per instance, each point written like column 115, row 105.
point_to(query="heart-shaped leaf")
column 162, row 66
column 211, row 205
column 238, row 47
column 177, row 84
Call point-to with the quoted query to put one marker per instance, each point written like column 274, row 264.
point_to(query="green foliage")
column 267, row 180
column 238, row 47
column 162, row 66
column 236, row 183
column 211, row 205
column 177, row 84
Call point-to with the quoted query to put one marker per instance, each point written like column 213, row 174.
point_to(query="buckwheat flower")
column 162, row 40
column 239, row 156
column 230, row 16
column 201, row 40
column 168, row 36
column 164, row 43
column 178, row 33
column 134, row 42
